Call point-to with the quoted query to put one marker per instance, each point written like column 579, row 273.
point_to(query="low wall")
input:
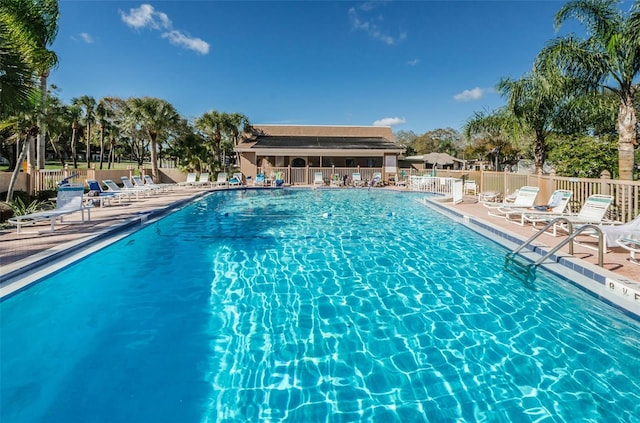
column 21, row 184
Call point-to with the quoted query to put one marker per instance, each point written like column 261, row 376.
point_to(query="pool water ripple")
column 310, row 306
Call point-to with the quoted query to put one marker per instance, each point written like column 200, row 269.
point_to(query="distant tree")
column 608, row 59
column 88, row 106
column 155, row 117
column 406, row 139
column 583, row 156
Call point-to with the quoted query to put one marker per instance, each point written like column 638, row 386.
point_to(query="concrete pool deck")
column 24, row 251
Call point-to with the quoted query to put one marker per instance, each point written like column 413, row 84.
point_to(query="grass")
column 83, row 165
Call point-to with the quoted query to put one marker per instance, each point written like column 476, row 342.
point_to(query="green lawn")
column 57, row 165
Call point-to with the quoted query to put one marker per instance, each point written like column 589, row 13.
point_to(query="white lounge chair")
column 376, row 179
column 96, row 193
column 113, row 187
column 70, row 199
column 191, row 180
column 356, row 179
column 148, row 181
column 139, row 183
column 128, row 186
column 592, row 212
column 318, row 179
column 557, row 205
column 526, row 198
column 613, row 232
column 223, row 180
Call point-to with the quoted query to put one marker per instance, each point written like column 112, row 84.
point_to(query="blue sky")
column 414, row 65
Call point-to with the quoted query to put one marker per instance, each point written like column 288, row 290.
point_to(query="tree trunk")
column 626, row 126
column 14, row 176
column 88, row 136
column 41, row 143
column 74, row 155
column 154, row 156
column 101, row 145
column 540, row 151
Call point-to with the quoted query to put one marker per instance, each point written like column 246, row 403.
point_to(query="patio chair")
column 614, row 231
column 400, row 180
column 592, row 212
column 525, row 198
column 356, row 179
column 236, row 180
column 318, row 179
column 222, row 181
column 278, row 180
column 631, row 245
column 104, row 197
column 113, row 187
column 375, row 180
column 148, row 181
column 70, row 199
column 470, row 187
column 128, row 185
column 191, row 180
column 259, row 181
column 203, row 180
column 139, row 183
column 556, row 206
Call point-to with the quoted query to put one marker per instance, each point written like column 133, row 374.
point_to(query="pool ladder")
column 528, row 269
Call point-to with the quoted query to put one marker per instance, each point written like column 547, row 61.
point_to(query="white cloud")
column 86, row 37
column 370, row 26
column 470, row 95
column 390, row 121
column 179, row 39
column 413, row 62
column 146, row 16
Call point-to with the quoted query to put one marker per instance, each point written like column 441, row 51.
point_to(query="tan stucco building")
column 298, row 150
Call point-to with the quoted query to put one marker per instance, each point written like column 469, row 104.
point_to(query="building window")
column 298, row 162
column 350, row 162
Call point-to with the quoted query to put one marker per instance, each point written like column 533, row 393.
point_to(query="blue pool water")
column 311, row 306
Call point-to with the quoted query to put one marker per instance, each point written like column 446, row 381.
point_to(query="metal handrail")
column 568, row 240
column 543, row 230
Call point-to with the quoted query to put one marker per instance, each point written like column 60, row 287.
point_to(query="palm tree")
column 238, row 123
column 536, row 100
column 88, row 105
column 104, row 113
column 155, row 116
column 609, row 59
column 214, row 125
column 16, row 69
column 497, row 129
column 74, row 112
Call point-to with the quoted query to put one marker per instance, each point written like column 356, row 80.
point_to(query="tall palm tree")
column 88, row 105
column 238, row 123
column 104, row 113
column 16, row 68
column 609, row 59
column 213, row 125
column 27, row 28
column 75, row 114
column 537, row 100
column 155, row 116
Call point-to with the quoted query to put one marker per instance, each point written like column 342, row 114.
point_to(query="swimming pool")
column 311, row 305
